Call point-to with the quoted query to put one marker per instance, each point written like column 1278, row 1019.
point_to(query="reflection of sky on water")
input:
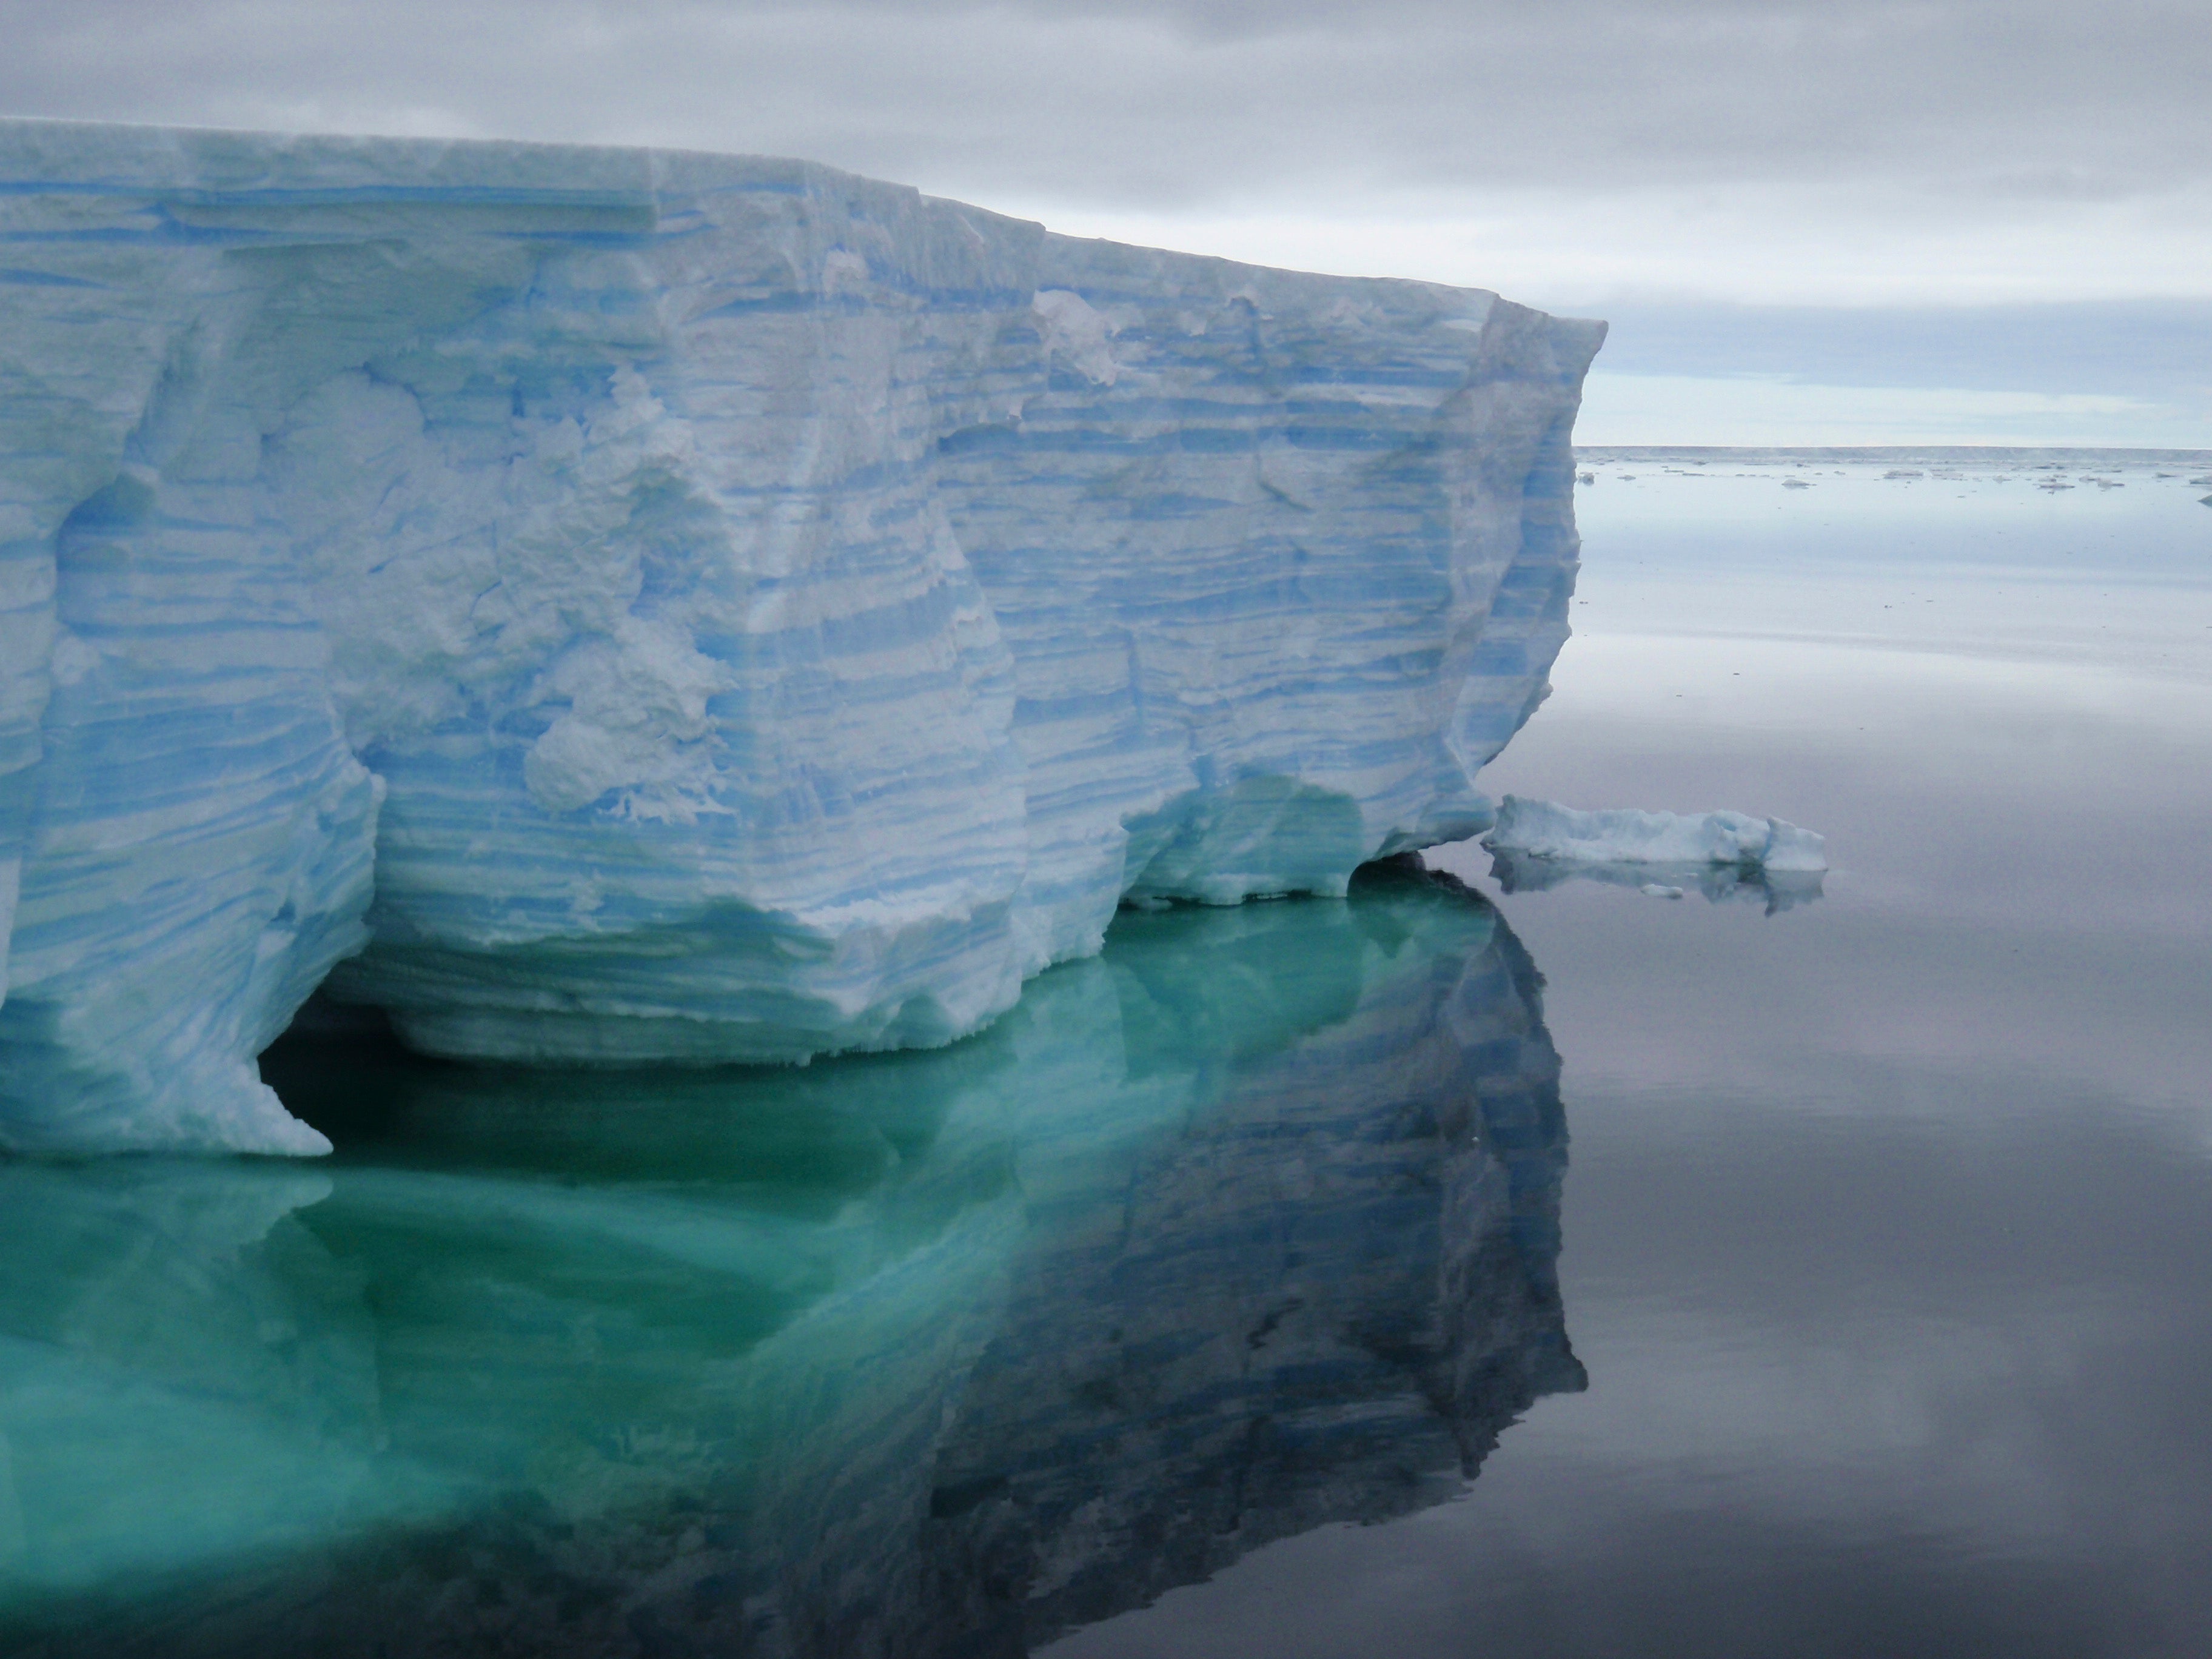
column 1985, row 564
column 1886, row 1243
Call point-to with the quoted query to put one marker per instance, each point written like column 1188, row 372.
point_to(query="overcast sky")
column 1652, row 160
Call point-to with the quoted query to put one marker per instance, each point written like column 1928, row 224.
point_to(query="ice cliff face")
column 674, row 606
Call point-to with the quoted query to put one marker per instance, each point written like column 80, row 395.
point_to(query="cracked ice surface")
column 676, row 606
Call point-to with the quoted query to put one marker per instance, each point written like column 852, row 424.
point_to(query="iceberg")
column 1734, row 840
column 606, row 606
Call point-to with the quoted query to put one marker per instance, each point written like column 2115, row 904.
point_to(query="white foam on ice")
column 673, row 606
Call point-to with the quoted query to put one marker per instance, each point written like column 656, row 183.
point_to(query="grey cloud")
column 1154, row 104
column 2156, row 349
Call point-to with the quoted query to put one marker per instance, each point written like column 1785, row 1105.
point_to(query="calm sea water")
column 1451, row 1270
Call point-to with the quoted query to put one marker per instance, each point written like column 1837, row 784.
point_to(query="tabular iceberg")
column 677, row 606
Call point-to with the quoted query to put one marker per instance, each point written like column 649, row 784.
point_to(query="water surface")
column 1247, row 1227
column 1236, row 1295
column 1888, row 1237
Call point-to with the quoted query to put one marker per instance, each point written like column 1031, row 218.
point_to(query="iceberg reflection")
column 1775, row 890
column 1246, row 1226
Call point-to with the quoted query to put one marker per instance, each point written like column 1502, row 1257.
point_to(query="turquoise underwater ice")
column 613, row 606
column 1248, row 1224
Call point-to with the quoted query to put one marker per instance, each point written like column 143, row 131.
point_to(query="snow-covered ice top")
column 1546, row 830
column 678, row 606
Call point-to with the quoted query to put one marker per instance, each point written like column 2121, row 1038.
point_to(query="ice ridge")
column 669, row 607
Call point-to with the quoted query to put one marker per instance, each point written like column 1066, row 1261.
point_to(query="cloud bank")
column 1583, row 155
column 1986, row 112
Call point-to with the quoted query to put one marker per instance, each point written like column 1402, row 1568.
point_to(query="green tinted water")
column 1247, row 1225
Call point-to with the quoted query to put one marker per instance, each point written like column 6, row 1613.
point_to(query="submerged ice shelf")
column 675, row 606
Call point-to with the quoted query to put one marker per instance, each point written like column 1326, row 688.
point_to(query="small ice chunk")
column 1543, row 829
column 1659, row 890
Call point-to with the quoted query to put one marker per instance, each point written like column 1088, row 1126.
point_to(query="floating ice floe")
column 1538, row 844
column 1546, row 830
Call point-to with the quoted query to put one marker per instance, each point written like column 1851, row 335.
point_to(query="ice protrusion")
column 1077, row 335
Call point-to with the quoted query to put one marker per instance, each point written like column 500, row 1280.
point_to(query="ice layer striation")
column 611, row 606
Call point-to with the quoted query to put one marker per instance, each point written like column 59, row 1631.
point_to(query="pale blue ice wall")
column 776, row 612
